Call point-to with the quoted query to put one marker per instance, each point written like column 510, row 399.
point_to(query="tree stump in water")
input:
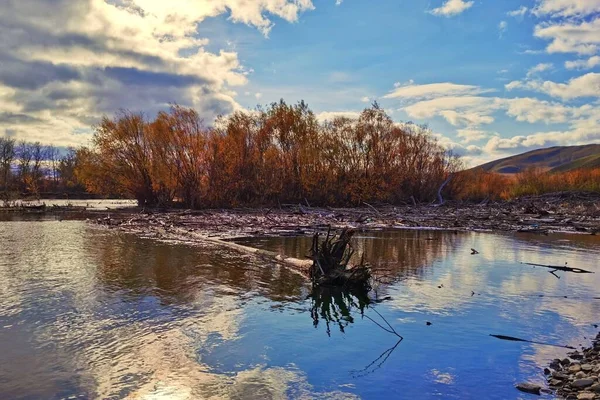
column 330, row 263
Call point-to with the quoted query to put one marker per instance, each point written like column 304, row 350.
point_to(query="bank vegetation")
column 276, row 155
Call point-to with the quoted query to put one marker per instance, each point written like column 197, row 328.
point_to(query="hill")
column 552, row 159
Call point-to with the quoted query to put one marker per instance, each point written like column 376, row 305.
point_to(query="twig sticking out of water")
column 514, row 339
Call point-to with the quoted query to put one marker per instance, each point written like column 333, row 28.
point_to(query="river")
column 91, row 313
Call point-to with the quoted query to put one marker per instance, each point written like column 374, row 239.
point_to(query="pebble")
column 529, row 388
column 595, row 388
column 582, row 383
column 560, row 375
column 586, row 396
column 586, row 367
column 574, row 368
column 580, row 375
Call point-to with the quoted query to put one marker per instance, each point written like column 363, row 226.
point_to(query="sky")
column 491, row 78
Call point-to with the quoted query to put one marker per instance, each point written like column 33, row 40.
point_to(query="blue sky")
column 491, row 78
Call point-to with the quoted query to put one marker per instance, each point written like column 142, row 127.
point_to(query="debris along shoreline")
column 561, row 212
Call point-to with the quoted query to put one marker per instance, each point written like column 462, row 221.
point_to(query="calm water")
column 86, row 313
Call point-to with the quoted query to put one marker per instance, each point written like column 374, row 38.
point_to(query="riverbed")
column 94, row 313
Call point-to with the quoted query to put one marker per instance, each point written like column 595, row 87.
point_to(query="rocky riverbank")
column 567, row 212
column 577, row 377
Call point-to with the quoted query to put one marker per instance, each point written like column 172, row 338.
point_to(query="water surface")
column 89, row 313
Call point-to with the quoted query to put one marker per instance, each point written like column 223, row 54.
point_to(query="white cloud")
column 583, row 86
column 539, row 68
column 502, row 26
column 431, row 90
column 566, row 8
column 583, row 64
column 365, row 99
column 542, row 139
column 519, row 12
column 258, row 95
column 457, row 110
column 466, row 119
column 474, row 135
column 452, row 7
column 571, row 36
column 65, row 63
column 534, row 110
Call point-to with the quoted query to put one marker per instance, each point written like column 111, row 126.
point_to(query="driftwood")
column 301, row 266
column 328, row 266
column 555, row 268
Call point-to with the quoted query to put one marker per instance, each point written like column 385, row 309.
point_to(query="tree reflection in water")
column 335, row 305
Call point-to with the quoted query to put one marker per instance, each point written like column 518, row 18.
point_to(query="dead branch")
column 561, row 268
column 371, row 207
column 439, row 193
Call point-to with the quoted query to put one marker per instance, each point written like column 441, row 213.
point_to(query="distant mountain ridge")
column 551, row 159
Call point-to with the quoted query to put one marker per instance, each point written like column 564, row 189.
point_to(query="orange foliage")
column 278, row 154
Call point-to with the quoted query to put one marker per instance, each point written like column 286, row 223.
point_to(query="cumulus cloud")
column 542, row 139
column 590, row 63
column 519, row 12
column 469, row 113
column 534, row 110
column 566, row 8
column 502, row 26
column 457, row 110
column 583, row 86
column 452, row 7
column 571, row 36
column 474, row 135
column 65, row 63
column 539, row 68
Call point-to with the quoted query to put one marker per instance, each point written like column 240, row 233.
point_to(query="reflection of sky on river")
column 89, row 312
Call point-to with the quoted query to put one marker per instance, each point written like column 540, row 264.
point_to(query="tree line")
column 273, row 155
column 30, row 169
column 268, row 156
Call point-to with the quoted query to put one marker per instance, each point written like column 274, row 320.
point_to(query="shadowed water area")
column 91, row 313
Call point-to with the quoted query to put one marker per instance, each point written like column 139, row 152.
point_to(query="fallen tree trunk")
column 301, row 266
column 329, row 264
